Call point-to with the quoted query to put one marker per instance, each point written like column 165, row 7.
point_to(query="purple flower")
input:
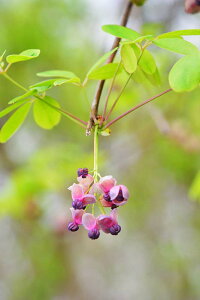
column 119, row 194
column 109, row 223
column 90, row 223
column 80, row 199
column 106, row 183
column 77, row 219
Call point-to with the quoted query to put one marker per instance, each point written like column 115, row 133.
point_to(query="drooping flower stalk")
column 96, row 153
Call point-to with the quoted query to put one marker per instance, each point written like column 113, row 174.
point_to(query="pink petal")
column 95, row 189
column 125, row 191
column 88, row 199
column 119, row 203
column 114, row 192
column 105, row 222
column 86, row 182
column 106, row 183
column 105, row 203
column 89, row 221
column 114, row 215
column 77, row 191
column 77, row 215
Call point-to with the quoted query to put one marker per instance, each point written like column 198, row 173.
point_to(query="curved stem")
column 136, row 107
column 14, row 82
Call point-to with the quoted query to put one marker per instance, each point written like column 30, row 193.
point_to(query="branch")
column 95, row 103
column 136, row 107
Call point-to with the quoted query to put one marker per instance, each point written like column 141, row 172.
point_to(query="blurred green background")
column 154, row 151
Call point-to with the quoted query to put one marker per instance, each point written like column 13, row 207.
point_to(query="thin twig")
column 109, row 92
column 95, row 103
column 65, row 113
column 118, row 97
column 136, row 107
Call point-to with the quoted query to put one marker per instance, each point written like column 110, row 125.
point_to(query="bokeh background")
column 154, row 151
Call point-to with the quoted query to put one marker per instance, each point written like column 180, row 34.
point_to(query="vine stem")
column 96, row 153
column 65, row 113
column 95, row 103
column 135, row 107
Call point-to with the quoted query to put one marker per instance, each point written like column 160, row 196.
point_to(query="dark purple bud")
column 94, row 234
column 82, row 172
column 197, row 2
column 115, row 229
column 72, row 227
column 114, row 206
column 120, row 196
column 78, row 204
column 107, row 197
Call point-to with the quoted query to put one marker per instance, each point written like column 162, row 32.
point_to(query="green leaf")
column 147, row 62
column 44, row 114
column 179, row 32
column 139, row 76
column 176, row 45
column 14, row 122
column 154, row 78
column 24, row 96
column 121, row 32
column 25, row 55
column 57, row 73
column 10, row 108
column 43, row 86
column 185, row 74
column 195, row 188
column 74, row 80
column 129, row 59
column 104, row 72
column 138, row 2
column 101, row 60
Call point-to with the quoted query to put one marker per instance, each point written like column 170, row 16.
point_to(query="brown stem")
column 136, row 107
column 95, row 103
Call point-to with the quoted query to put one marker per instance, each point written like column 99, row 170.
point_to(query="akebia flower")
column 90, row 223
column 80, row 199
column 77, row 219
column 110, row 197
column 119, row 194
column 109, row 223
column 106, row 183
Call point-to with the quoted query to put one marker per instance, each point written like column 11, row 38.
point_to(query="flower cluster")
column 106, row 193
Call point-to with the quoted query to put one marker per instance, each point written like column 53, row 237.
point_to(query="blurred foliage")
column 154, row 151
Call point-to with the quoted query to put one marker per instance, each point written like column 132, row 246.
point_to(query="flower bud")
column 82, row 172
column 115, row 229
column 94, row 234
column 72, row 227
column 77, row 204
